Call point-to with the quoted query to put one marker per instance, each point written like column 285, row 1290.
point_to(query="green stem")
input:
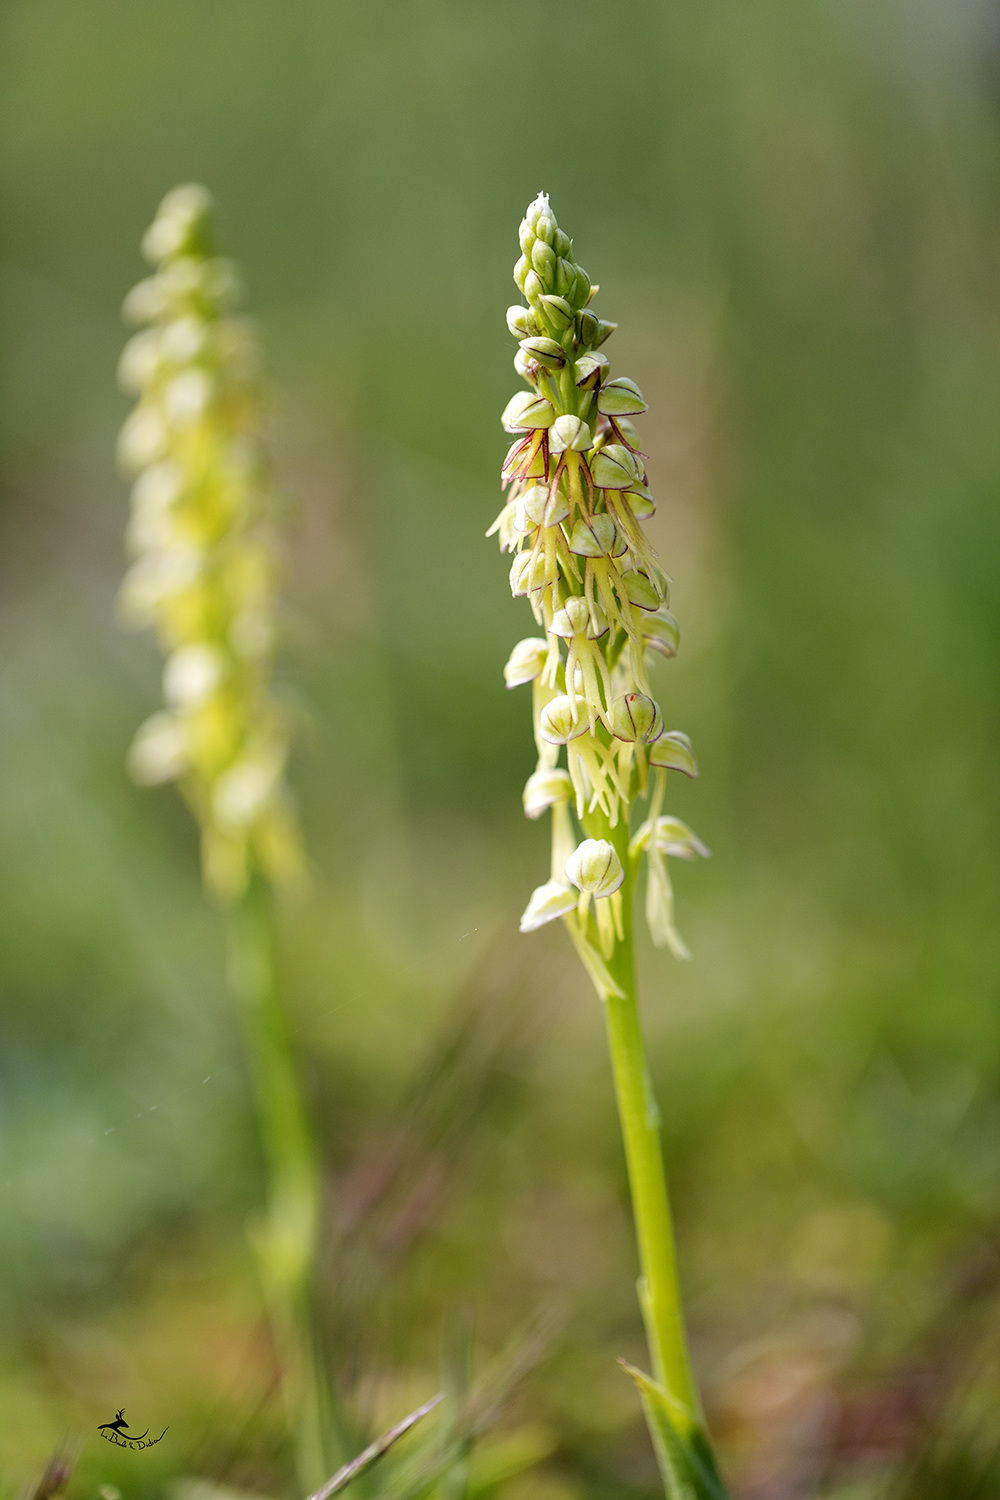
column 285, row 1235
column 659, row 1289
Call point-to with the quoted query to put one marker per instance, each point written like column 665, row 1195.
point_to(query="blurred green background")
column 793, row 209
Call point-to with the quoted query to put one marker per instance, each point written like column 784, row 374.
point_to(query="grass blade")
column 374, row 1451
column 682, row 1448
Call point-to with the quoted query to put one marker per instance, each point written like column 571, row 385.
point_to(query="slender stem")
column 375, row 1450
column 659, row 1290
column 285, row 1235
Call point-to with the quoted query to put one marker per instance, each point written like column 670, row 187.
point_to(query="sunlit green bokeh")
column 792, row 210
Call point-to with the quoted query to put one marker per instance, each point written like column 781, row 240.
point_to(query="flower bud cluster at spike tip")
column 578, row 495
column 206, row 552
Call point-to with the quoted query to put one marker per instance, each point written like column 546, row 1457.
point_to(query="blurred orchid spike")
column 206, row 553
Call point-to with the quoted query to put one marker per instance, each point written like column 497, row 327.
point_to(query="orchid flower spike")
column 578, row 494
column 206, row 553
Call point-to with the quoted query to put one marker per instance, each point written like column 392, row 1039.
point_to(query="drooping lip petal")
column 548, row 901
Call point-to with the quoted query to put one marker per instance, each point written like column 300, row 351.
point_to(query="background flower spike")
column 207, row 562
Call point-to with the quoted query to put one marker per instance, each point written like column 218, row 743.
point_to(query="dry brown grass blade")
column 54, row 1477
column 375, row 1450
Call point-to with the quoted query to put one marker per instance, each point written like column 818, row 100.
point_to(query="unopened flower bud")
column 635, row 717
column 558, row 722
column 613, row 468
column 526, row 411
column 526, row 236
column 566, row 281
column 537, row 208
column 526, row 661
column 570, row 433
column 545, row 227
column 596, row 537
column 544, row 351
column 587, row 325
column 520, row 321
column 604, row 330
column 557, row 310
column 548, row 901
column 661, row 632
column 594, row 868
column 581, row 292
column 544, row 260
column 533, row 287
column 521, row 269
column 677, row 840
column 544, row 789
column 590, row 370
column 673, row 751
column 561, row 243
column 178, row 226
column 621, row 397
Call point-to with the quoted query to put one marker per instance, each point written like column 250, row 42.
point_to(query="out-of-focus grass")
column 792, row 212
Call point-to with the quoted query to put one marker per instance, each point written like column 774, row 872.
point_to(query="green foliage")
column 683, row 1450
column 800, row 201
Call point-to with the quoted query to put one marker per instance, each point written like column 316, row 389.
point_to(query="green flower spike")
column 206, row 550
column 578, row 495
column 207, row 561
